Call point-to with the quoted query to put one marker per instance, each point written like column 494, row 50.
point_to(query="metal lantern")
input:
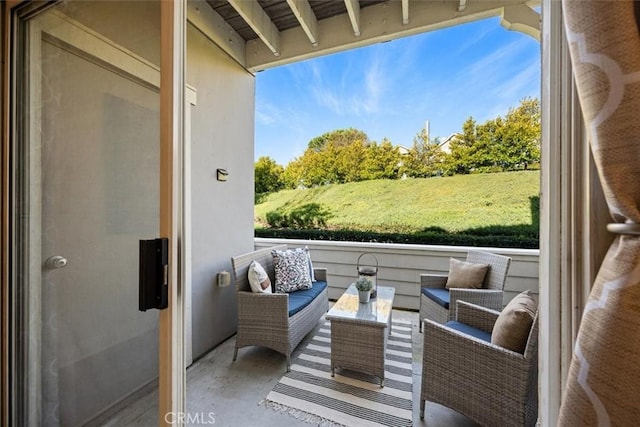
column 369, row 270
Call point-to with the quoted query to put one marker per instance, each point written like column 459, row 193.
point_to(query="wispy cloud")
column 288, row 117
column 405, row 55
column 266, row 113
column 390, row 89
column 499, row 75
column 367, row 98
column 475, row 39
column 364, row 82
column 495, row 59
column 522, row 81
column 353, row 90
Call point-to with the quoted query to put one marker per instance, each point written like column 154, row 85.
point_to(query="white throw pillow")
column 258, row 278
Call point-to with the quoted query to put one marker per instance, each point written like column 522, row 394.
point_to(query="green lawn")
column 454, row 203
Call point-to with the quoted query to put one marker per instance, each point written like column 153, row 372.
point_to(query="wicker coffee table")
column 359, row 331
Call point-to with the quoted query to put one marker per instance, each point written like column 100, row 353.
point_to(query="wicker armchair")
column 485, row 382
column 443, row 308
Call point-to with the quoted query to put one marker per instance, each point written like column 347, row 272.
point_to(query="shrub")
column 276, row 219
column 516, row 240
column 309, row 216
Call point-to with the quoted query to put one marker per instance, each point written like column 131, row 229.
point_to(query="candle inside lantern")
column 369, row 272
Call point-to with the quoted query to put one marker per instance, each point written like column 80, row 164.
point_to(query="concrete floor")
column 225, row 393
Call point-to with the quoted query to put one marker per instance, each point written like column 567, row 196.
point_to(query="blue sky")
column 390, row 89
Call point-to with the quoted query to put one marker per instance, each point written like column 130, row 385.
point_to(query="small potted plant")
column 364, row 286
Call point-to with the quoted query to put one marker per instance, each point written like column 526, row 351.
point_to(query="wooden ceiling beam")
column 383, row 24
column 308, row 21
column 353, row 9
column 405, row 12
column 260, row 22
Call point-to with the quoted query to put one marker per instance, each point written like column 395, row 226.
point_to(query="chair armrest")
column 489, row 298
column 320, row 274
column 433, row 280
column 468, row 358
column 263, row 310
column 476, row 316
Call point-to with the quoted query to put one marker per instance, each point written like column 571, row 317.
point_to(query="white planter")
column 363, row 296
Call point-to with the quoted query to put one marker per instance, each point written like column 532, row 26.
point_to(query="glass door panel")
column 92, row 152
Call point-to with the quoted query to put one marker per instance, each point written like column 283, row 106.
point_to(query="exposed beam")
column 382, row 25
column 353, row 9
column 405, row 12
column 260, row 22
column 520, row 17
column 462, row 5
column 308, row 21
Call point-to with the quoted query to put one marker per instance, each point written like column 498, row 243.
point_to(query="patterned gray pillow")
column 292, row 270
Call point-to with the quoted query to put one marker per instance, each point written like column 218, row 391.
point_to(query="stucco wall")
column 134, row 25
column 222, row 126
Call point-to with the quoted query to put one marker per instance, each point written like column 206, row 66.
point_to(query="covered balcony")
column 129, row 121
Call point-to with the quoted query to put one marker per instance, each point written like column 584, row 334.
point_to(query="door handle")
column 55, row 261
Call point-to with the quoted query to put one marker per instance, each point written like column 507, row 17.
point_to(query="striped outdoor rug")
column 352, row 399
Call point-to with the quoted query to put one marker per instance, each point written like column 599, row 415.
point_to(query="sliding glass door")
column 87, row 187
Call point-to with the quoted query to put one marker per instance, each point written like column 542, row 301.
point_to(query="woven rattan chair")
column 443, row 308
column 487, row 383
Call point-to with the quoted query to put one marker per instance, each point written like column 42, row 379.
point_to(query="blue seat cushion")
column 469, row 330
column 437, row 295
column 300, row 299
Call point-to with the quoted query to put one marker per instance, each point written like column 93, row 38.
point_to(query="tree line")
column 502, row 144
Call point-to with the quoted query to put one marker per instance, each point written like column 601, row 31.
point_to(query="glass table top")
column 376, row 311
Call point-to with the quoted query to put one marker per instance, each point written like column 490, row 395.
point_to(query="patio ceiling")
column 260, row 34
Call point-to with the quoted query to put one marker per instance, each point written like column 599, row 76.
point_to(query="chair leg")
column 235, row 354
column 288, row 363
column 422, row 402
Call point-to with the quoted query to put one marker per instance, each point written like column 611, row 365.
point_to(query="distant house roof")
column 402, row 149
column 444, row 145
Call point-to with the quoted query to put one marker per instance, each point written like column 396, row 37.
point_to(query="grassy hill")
column 455, row 204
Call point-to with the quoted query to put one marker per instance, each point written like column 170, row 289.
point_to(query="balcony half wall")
column 400, row 265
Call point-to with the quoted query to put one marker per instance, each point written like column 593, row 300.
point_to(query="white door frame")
column 171, row 345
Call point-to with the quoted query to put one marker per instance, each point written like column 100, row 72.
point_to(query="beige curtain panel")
column 603, row 387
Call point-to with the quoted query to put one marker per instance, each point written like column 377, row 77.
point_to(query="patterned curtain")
column 603, row 387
